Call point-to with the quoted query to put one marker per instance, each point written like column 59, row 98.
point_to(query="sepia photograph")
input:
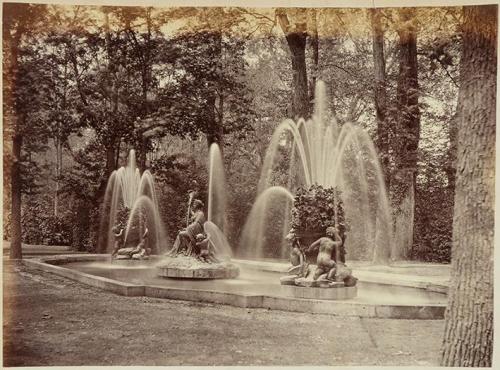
column 248, row 185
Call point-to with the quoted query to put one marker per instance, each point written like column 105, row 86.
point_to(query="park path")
column 49, row 320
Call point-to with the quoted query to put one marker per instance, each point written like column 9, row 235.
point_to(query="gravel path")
column 49, row 320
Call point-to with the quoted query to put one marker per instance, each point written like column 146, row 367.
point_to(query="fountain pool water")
column 407, row 295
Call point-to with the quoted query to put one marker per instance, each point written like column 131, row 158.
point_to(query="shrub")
column 316, row 208
column 40, row 226
column 433, row 226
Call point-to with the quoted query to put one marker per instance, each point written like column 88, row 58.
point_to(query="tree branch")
column 257, row 15
column 339, row 67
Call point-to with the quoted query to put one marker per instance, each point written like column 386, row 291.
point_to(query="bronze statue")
column 119, row 239
column 192, row 194
column 297, row 256
column 138, row 252
column 186, row 238
column 141, row 251
column 205, row 249
column 328, row 245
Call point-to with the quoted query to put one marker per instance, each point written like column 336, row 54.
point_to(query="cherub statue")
column 205, row 249
column 300, row 266
column 118, row 232
column 328, row 245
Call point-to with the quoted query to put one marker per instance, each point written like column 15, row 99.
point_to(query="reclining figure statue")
column 138, row 252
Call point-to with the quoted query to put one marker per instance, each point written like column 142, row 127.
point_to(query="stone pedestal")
column 332, row 293
column 182, row 267
column 307, row 287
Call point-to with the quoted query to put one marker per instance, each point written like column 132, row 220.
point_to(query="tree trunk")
column 297, row 44
column 315, row 56
column 58, row 139
column 380, row 92
column 451, row 167
column 214, row 130
column 16, row 185
column 110, row 159
column 81, row 228
column 215, row 104
column 408, row 129
column 468, row 338
column 117, row 157
column 58, row 174
column 296, row 38
column 407, row 102
column 11, row 127
column 142, row 152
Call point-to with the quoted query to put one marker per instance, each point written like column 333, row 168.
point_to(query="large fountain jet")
column 216, row 189
column 324, row 153
column 128, row 191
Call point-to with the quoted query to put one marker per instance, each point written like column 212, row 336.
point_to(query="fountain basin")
column 252, row 289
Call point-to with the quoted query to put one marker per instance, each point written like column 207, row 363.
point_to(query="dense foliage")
column 316, row 208
column 44, row 228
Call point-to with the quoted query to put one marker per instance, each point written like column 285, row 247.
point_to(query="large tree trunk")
column 468, row 338
column 215, row 101
column 12, row 129
column 296, row 38
column 297, row 44
column 16, row 186
column 314, row 39
column 408, row 133
column 380, row 92
column 214, row 129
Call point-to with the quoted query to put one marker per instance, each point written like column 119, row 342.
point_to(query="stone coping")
column 342, row 308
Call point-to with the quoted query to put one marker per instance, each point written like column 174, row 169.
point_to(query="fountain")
column 131, row 226
column 331, row 202
column 335, row 172
column 201, row 250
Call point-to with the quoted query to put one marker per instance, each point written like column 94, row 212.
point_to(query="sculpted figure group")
column 329, row 262
column 193, row 241
column 141, row 251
